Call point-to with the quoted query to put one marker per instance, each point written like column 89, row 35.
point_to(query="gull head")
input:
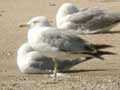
column 36, row 21
column 68, row 8
column 64, row 10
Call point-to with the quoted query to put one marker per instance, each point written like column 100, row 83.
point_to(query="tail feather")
column 98, row 56
column 93, row 51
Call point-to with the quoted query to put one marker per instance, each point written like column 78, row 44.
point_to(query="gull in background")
column 87, row 20
column 42, row 37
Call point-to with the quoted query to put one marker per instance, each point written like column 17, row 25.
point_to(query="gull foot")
column 59, row 76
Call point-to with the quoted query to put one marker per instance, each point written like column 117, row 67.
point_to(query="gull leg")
column 55, row 69
column 55, row 74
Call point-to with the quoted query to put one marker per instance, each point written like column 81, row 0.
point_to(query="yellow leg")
column 55, row 69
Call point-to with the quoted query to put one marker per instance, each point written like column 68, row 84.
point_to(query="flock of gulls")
column 50, row 49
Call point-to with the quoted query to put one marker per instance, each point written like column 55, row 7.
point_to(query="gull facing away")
column 44, row 38
column 31, row 61
column 87, row 20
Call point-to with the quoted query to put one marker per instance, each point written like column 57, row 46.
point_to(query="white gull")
column 44, row 38
column 87, row 20
column 31, row 61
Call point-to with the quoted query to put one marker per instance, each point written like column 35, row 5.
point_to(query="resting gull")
column 87, row 20
column 31, row 61
column 44, row 38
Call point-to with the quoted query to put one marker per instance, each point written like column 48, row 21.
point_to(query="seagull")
column 42, row 37
column 31, row 61
column 86, row 20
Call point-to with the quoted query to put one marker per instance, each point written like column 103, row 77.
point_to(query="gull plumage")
column 87, row 20
column 44, row 38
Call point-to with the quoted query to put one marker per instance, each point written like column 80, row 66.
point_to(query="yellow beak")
column 23, row 25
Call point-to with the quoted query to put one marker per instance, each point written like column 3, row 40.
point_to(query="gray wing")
column 94, row 18
column 102, row 21
column 65, row 42
column 85, row 15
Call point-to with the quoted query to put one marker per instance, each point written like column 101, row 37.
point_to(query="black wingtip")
column 102, row 46
column 98, row 56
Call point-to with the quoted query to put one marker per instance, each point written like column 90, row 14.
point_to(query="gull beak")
column 23, row 25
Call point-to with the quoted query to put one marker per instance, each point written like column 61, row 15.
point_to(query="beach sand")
column 93, row 74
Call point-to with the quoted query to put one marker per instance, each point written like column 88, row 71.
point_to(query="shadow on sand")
column 109, row 32
column 87, row 70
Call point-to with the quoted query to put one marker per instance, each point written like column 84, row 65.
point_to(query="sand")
column 93, row 74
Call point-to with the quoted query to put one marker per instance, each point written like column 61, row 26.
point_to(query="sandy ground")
column 91, row 75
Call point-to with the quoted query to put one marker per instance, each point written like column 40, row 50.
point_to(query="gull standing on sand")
column 44, row 38
column 42, row 34
column 87, row 20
